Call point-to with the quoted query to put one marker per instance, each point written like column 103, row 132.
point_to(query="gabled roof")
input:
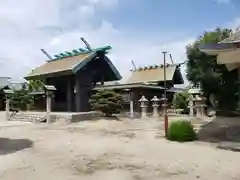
column 154, row 74
column 233, row 38
column 58, row 66
column 71, row 63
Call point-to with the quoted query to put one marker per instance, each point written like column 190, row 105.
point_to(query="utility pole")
column 165, row 95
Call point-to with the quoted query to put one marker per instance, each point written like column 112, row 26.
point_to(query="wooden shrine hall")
column 148, row 81
column 74, row 74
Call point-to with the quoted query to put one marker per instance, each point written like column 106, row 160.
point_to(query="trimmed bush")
column 106, row 101
column 181, row 131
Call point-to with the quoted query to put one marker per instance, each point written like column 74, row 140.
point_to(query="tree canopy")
column 214, row 78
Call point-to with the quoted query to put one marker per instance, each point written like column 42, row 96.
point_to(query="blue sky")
column 136, row 29
column 158, row 16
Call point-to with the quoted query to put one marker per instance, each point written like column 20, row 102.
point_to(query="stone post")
column 48, row 107
column 49, row 94
column 198, row 106
column 7, row 109
column 7, row 105
column 143, row 105
column 155, row 106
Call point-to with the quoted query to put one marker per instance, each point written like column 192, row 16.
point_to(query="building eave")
column 129, row 86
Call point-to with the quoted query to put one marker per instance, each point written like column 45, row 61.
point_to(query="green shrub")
column 181, row 131
column 107, row 101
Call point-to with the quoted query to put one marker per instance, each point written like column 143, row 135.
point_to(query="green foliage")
column 20, row 99
column 181, row 131
column 180, row 100
column 106, row 101
column 214, row 78
column 35, row 85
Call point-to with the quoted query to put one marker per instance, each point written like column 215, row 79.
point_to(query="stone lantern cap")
column 155, row 99
column 163, row 99
column 143, row 99
column 50, row 88
column 194, row 91
column 8, row 91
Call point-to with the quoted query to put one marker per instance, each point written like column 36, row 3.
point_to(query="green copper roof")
column 80, row 51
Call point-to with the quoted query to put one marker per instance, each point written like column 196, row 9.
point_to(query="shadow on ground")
column 220, row 129
column 8, row 146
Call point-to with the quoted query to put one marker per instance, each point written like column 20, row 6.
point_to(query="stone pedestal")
column 131, row 109
column 143, row 111
column 191, row 106
column 155, row 110
column 143, row 105
column 199, row 106
column 198, row 111
column 155, row 106
column 49, row 91
column 164, row 104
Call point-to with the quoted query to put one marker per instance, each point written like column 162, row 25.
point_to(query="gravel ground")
column 107, row 150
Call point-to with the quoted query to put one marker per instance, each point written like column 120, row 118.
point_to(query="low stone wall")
column 85, row 116
column 75, row 117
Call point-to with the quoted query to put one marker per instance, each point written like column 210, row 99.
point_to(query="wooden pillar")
column 239, row 86
column 69, row 95
column 77, row 95
column 102, row 81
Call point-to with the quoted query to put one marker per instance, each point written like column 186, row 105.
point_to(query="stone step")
column 28, row 117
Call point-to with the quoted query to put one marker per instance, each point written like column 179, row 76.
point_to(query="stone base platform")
column 66, row 117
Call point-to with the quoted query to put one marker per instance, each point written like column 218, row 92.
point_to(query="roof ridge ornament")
column 80, row 51
column 151, row 67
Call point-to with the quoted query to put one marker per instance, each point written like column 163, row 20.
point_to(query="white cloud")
column 104, row 3
column 57, row 25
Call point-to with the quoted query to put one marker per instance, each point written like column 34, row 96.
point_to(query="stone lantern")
column 164, row 104
column 7, row 107
column 155, row 105
column 198, row 102
column 191, row 105
column 49, row 94
column 143, row 105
